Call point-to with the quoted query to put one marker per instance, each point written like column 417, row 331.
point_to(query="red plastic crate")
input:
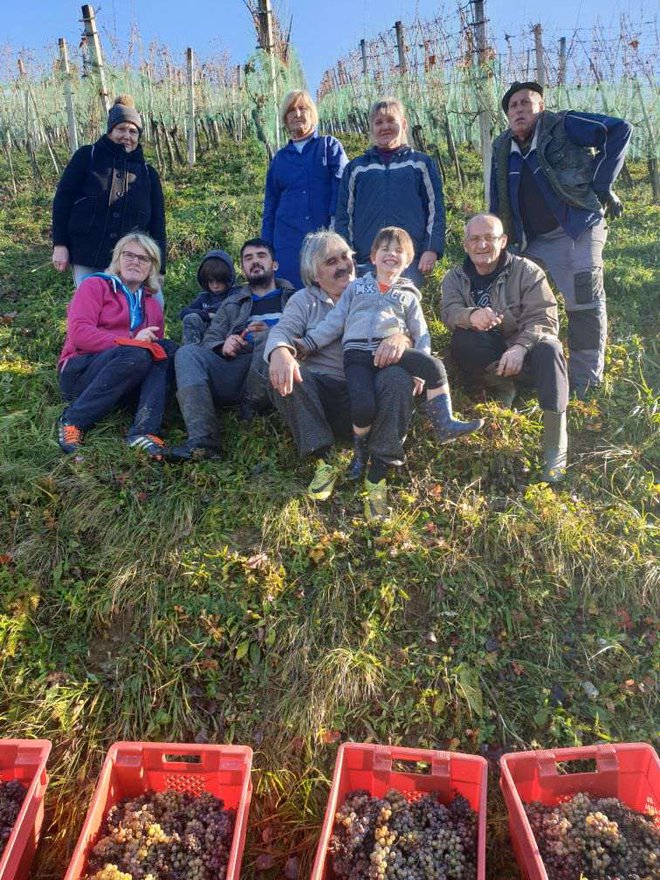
column 628, row 771
column 379, row 768
column 131, row 768
column 25, row 760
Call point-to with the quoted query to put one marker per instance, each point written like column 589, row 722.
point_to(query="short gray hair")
column 315, row 249
column 147, row 244
column 484, row 216
column 385, row 105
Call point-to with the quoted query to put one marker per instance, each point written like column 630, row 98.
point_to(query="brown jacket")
column 521, row 293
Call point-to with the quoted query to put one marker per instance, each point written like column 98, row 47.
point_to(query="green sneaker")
column 375, row 502
column 323, row 481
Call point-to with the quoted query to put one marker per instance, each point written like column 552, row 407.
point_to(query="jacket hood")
column 218, row 255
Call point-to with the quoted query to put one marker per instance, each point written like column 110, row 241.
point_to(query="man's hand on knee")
column 283, row 371
column 511, row 361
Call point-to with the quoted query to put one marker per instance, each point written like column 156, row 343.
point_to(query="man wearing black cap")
column 551, row 185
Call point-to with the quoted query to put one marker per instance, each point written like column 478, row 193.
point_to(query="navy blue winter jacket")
column 206, row 303
column 103, row 194
column 300, row 197
column 407, row 193
column 608, row 136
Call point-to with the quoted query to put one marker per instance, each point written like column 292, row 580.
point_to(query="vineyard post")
column 89, row 20
column 363, row 52
column 538, row 49
column 479, row 24
column 652, row 159
column 268, row 46
column 190, row 72
column 239, row 86
column 68, row 96
column 561, row 79
column 40, row 127
column 400, row 47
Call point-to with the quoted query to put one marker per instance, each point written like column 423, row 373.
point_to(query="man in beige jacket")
column 503, row 318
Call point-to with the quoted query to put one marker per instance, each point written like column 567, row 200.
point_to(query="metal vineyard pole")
column 479, row 25
column 89, row 21
column 190, row 71
column 68, row 96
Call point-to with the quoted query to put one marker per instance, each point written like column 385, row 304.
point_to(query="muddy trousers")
column 318, row 410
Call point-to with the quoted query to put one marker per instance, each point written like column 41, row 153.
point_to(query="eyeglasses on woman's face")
column 132, row 257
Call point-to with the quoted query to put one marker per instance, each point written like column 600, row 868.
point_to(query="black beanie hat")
column 123, row 110
column 533, row 86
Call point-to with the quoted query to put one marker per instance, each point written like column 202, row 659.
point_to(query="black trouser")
column 361, row 374
column 544, row 366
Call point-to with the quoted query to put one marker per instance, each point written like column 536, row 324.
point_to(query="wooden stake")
column 190, row 70
column 400, row 47
column 538, row 49
column 561, row 78
column 268, row 46
column 89, row 21
column 68, row 96
column 479, row 25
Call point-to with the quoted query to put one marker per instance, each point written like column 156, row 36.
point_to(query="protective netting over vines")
column 237, row 99
column 446, row 81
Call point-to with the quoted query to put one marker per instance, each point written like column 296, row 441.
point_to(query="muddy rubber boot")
column 500, row 388
column 445, row 427
column 198, row 411
column 555, row 446
column 360, row 456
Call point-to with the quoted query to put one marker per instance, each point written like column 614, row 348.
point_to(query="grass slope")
column 215, row 603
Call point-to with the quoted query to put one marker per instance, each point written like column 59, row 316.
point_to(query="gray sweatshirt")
column 305, row 310
column 364, row 316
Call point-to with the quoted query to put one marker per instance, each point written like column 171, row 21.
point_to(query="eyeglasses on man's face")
column 490, row 239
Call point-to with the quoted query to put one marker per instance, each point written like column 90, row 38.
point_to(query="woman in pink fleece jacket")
column 114, row 352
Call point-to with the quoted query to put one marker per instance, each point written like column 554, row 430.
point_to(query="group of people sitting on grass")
column 338, row 355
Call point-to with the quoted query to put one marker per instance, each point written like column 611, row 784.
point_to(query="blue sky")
column 322, row 31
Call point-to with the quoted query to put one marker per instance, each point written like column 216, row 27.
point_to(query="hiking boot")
column 445, row 427
column 375, row 501
column 69, row 436
column 149, row 443
column 323, row 481
column 360, row 456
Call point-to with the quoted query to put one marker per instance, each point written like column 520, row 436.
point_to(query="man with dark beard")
column 312, row 397
column 215, row 372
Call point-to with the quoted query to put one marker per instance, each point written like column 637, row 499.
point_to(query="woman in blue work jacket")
column 301, row 185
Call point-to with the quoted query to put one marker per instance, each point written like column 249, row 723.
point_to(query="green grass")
column 215, row 603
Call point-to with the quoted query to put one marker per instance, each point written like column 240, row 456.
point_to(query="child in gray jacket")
column 370, row 309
